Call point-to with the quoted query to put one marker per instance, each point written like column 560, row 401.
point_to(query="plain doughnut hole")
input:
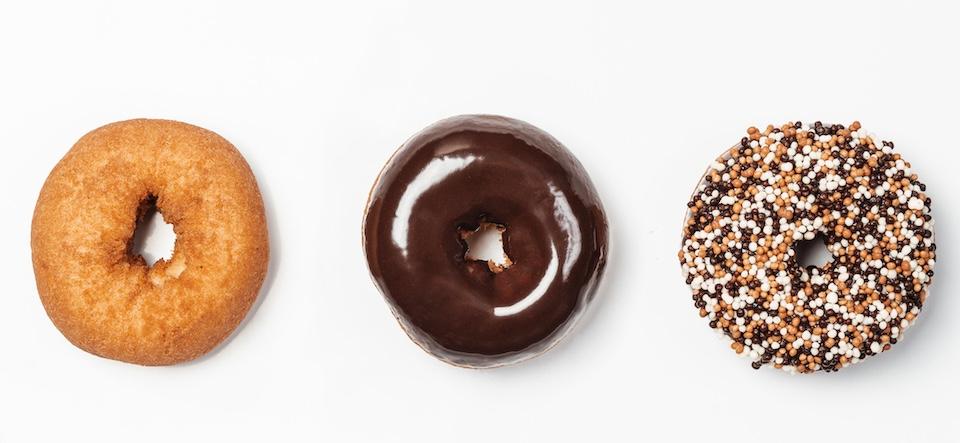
column 813, row 252
column 154, row 238
column 486, row 244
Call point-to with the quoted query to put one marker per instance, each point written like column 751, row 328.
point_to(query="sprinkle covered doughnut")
column 443, row 186
column 782, row 186
column 108, row 301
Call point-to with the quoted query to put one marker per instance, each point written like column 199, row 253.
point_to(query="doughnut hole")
column 485, row 243
column 153, row 239
column 813, row 252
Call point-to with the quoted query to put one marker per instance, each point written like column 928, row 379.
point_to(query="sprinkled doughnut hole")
column 784, row 185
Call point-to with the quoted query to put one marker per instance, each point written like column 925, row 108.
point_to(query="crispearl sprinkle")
column 782, row 186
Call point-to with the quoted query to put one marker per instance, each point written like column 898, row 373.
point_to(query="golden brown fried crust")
column 109, row 302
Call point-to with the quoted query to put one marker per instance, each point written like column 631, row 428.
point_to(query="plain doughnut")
column 108, row 301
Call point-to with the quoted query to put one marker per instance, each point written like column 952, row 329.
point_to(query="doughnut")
column 779, row 188
column 105, row 299
column 451, row 180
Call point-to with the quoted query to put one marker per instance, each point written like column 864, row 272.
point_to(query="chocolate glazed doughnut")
column 448, row 180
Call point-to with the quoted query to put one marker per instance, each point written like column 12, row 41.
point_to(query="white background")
column 317, row 96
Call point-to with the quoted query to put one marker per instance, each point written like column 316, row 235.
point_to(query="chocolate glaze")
column 452, row 176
